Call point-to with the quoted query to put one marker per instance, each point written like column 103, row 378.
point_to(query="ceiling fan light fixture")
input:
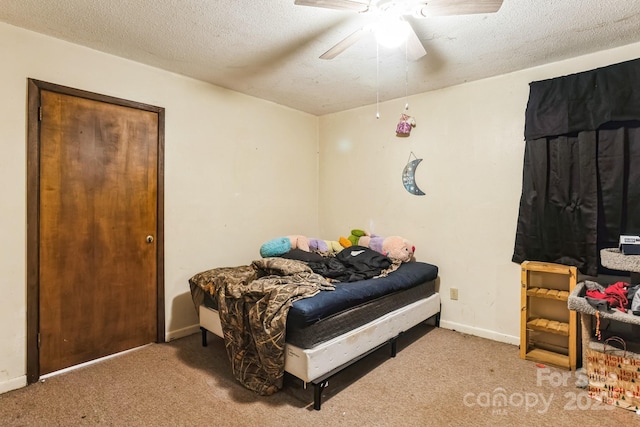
column 393, row 32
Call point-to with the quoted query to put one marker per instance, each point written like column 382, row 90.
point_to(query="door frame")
column 34, row 88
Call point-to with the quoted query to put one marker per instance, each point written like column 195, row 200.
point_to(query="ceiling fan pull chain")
column 406, row 75
column 377, row 81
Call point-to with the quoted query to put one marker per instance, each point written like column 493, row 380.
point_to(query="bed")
column 330, row 330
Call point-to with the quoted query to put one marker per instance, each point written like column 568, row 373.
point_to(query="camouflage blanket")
column 253, row 302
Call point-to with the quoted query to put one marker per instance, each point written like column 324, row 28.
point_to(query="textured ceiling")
column 270, row 48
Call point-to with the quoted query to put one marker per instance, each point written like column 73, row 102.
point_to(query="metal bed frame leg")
column 317, row 393
column 204, row 336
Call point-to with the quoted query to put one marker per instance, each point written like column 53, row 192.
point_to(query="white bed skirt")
column 313, row 363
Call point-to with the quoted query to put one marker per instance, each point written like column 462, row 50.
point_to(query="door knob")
column 149, row 239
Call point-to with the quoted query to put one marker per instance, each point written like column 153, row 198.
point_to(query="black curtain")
column 581, row 174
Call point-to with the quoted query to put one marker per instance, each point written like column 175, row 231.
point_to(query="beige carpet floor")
column 439, row 378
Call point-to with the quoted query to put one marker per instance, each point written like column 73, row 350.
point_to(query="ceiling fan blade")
column 459, row 7
column 345, row 43
column 415, row 49
column 358, row 6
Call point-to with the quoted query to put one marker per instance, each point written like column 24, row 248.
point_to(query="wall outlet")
column 453, row 293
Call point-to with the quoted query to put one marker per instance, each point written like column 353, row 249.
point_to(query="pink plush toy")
column 394, row 247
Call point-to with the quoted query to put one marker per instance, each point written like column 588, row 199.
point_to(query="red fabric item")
column 615, row 295
column 595, row 293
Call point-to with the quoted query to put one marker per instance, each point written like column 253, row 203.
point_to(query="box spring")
column 312, row 363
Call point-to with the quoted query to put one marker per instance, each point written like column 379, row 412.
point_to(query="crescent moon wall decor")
column 409, row 177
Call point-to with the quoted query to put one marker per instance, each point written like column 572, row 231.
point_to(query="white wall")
column 471, row 138
column 238, row 171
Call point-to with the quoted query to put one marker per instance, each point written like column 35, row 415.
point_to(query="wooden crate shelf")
column 548, row 329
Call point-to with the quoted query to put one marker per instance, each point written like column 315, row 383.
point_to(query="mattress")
column 351, row 318
column 346, row 296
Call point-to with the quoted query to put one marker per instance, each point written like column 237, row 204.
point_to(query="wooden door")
column 98, row 229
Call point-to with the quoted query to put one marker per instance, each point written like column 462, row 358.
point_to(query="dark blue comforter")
column 307, row 311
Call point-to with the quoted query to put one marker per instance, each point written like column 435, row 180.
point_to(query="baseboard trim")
column 181, row 333
column 482, row 333
column 13, row 384
column 479, row 332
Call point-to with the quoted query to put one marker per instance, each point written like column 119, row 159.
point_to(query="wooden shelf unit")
column 548, row 329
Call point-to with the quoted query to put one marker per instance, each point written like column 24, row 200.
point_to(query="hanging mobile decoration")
column 409, row 176
column 404, row 125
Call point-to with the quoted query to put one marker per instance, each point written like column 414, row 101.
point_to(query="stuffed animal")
column 355, row 236
column 372, row 241
column 352, row 240
column 344, row 242
column 328, row 247
column 325, row 247
column 281, row 245
column 334, row 246
column 275, row 247
column 394, row 247
column 299, row 242
column 317, row 245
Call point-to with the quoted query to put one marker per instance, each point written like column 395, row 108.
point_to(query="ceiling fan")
column 389, row 19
